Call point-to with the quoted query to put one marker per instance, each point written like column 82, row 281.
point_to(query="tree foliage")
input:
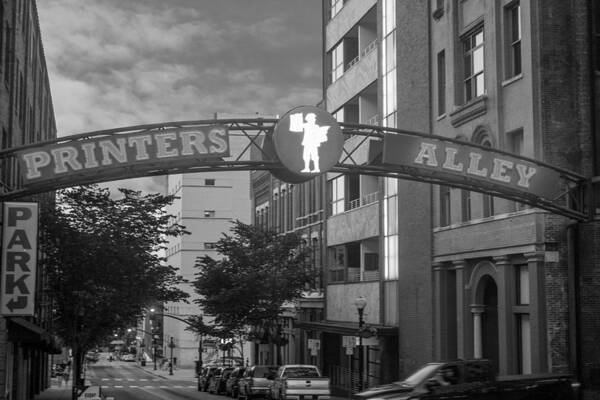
column 259, row 271
column 102, row 262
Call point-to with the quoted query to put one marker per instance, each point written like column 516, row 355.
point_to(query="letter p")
column 34, row 161
column 18, row 213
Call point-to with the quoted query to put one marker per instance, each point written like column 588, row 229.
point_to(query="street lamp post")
column 360, row 304
column 171, row 346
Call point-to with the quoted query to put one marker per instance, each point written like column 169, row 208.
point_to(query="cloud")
column 117, row 63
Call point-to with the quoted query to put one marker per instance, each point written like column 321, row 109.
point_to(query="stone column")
column 461, row 310
column 477, row 311
column 505, row 279
column 439, row 287
column 537, row 311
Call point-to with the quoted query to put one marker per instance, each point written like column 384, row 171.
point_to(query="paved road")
column 129, row 381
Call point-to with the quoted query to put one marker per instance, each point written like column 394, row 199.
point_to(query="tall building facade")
column 207, row 203
column 26, row 116
column 450, row 273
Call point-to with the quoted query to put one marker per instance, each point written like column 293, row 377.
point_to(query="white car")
column 128, row 357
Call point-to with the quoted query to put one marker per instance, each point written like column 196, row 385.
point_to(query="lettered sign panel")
column 19, row 258
column 477, row 164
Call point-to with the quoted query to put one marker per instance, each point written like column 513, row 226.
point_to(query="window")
column 371, row 261
column 473, row 64
column 487, row 200
column 209, row 213
column 445, row 219
column 337, row 62
column 337, row 186
column 466, row 205
column 441, row 82
column 210, row 245
column 209, row 182
column 515, row 146
column 336, row 6
column 513, row 39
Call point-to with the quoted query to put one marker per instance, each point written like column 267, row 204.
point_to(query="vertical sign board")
column 19, row 258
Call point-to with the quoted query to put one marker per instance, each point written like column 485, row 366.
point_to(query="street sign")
column 348, row 341
column 349, row 351
column 19, row 259
column 314, row 344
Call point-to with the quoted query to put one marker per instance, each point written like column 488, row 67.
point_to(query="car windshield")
column 301, row 372
column 421, row 375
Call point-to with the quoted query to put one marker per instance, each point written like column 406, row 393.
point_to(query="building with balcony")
column 26, row 116
column 446, row 272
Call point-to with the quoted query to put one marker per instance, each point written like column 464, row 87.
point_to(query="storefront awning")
column 23, row 331
column 344, row 328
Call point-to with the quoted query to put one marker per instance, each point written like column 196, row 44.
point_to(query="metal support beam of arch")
column 368, row 150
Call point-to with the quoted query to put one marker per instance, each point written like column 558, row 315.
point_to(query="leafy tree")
column 260, row 270
column 102, row 262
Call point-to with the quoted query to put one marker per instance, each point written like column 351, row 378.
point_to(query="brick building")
column 26, row 116
column 447, row 272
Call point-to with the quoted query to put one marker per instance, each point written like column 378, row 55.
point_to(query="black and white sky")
column 117, row 63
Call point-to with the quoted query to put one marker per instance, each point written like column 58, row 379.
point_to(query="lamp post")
column 360, row 304
column 171, row 346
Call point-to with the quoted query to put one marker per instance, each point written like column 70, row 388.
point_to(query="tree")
column 102, row 262
column 260, row 270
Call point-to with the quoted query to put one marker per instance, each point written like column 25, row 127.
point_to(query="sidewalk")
column 181, row 374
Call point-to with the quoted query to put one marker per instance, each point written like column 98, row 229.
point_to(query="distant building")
column 208, row 204
column 26, row 116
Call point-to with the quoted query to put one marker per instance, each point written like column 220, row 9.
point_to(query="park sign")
column 161, row 149
column 19, row 259
column 455, row 162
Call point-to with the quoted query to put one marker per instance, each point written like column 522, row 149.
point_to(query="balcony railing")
column 368, row 48
column 363, row 201
column 352, row 275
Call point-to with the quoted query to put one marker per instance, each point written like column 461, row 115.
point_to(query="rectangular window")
column 209, row 213
column 210, row 246
column 473, row 64
column 371, row 261
column 337, row 62
column 209, row 182
column 338, row 187
column 516, row 146
column 441, row 82
column 335, row 7
column 513, row 39
column 445, row 219
column 466, row 205
column 524, row 343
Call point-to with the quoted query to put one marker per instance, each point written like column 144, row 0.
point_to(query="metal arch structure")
column 364, row 152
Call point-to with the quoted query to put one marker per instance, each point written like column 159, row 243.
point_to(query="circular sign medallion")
column 308, row 141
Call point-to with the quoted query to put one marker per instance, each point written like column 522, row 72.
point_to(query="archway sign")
column 305, row 142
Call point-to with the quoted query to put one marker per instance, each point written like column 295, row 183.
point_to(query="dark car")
column 256, row 381
column 231, row 386
column 216, row 383
column 204, row 377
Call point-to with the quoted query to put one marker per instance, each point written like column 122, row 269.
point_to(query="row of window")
column 473, row 58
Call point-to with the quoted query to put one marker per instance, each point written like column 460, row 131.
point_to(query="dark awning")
column 344, row 328
column 23, row 331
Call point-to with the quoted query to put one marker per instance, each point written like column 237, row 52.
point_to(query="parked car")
column 299, row 381
column 472, row 379
column 216, row 383
column 256, row 381
column 232, row 384
column 128, row 357
column 204, row 377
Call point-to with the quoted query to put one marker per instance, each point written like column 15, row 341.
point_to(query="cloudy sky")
column 117, row 63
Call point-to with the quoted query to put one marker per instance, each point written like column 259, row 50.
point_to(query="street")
column 129, row 381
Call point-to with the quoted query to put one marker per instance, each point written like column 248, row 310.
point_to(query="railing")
column 368, row 48
column 374, row 120
column 343, row 275
column 363, row 201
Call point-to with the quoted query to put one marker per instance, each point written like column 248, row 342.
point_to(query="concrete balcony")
column 354, row 225
column 350, row 15
column 357, row 78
